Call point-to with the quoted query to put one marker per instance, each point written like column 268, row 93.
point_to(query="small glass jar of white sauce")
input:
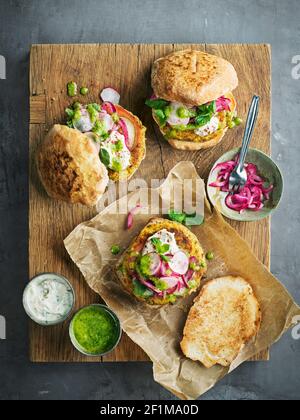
column 49, row 299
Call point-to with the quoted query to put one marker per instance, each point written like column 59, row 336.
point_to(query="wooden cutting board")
column 127, row 68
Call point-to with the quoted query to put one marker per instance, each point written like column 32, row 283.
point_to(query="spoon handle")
column 251, row 120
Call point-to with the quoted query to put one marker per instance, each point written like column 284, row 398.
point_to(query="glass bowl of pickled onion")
column 260, row 196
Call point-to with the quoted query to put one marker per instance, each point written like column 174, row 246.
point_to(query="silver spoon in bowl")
column 238, row 177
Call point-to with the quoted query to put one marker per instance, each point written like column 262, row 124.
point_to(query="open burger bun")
column 185, row 239
column 192, row 77
column 225, row 316
column 69, row 167
column 190, row 141
column 138, row 151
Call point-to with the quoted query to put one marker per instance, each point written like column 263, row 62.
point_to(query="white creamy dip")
column 166, row 238
column 209, row 128
column 48, row 299
column 118, row 152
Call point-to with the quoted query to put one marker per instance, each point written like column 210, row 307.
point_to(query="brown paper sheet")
column 158, row 330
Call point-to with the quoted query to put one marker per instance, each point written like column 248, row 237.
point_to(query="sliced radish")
column 110, row 95
column 109, row 107
column 107, row 120
column 173, row 118
column 155, row 263
column 84, row 123
column 170, row 281
column 179, row 263
column 130, row 141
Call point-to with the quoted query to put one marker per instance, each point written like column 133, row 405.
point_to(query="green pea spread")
column 95, row 330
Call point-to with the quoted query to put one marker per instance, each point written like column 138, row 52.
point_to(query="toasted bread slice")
column 138, row 152
column 185, row 239
column 188, row 140
column 225, row 316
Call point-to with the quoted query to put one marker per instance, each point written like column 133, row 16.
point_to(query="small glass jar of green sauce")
column 95, row 330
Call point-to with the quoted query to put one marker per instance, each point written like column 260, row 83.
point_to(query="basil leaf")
column 186, row 219
column 104, row 157
column 156, row 103
column 176, row 216
column 140, row 290
column 194, row 220
column 161, row 116
column 69, row 112
column 202, row 119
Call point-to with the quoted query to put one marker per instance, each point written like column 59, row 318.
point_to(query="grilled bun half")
column 69, row 167
column 225, row 316
column 186, row 241
column 192, row 77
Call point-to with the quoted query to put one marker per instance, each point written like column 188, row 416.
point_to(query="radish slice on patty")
column 179, row 263
column 110, row 95
column 155, row 263
column 173, row 118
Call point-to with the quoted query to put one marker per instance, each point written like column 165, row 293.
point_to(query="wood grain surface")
column 127, row 68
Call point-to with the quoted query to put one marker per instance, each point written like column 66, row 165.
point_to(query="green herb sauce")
column 95, row 330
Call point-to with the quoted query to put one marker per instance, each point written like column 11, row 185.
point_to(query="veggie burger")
column 164, row 262
column 99, row 142
column 192, row 102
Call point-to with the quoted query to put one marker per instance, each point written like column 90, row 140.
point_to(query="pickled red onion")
column 252, row 196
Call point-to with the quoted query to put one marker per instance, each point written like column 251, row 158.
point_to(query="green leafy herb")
column 70, row 113
column 161, row 116
column 160, row 248
column 205, row 113
column 186, row 219
column 156, row 103
column 115, row 249
column 140, row 290
column 176, row 216
column 104, row 157
column 194, row 220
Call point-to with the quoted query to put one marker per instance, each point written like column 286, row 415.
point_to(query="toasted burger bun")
column 185, row 239
column 69, row 167
column 192, row 77
column 138, row 152
column 191, row 141
column 225, row 316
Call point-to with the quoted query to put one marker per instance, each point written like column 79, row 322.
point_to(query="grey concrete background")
column 48, row 21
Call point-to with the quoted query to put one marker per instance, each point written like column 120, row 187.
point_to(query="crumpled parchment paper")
column 158, row 330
